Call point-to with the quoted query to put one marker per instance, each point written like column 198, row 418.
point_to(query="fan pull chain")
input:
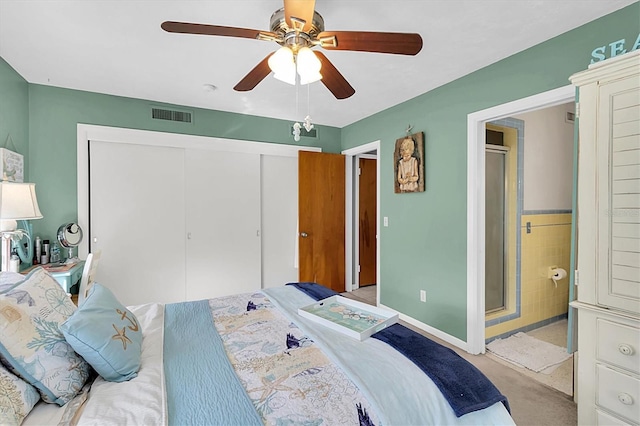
column 296, row 125
column 307, row 120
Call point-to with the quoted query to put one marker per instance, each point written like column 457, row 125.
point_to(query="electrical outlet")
column 423, row 296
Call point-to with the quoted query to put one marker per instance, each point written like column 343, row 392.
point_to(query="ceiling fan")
column 297, row 27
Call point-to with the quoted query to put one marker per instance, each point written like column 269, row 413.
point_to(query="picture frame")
column 408, row 164
column 12, row 166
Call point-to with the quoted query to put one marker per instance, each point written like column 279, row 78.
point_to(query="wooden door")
column 321, row 212
column 367, row 221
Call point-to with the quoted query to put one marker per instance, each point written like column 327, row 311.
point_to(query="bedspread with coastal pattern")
column 288, row 378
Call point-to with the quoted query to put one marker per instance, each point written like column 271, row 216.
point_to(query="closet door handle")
column 304, row 234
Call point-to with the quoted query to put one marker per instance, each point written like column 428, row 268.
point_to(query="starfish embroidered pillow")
column 31, row 344
column 106, row 334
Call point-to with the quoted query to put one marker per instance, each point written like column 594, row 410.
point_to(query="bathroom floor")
column 562, row 377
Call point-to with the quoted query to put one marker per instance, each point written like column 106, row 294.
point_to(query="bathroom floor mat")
column 528, row 352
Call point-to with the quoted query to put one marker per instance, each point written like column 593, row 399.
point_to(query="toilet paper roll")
column 559, row 274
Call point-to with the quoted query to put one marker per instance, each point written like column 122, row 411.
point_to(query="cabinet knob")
column 625, row 398
column 304, row 234
column 625, row 349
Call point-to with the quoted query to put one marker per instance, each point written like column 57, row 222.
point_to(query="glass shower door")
column 495, row 221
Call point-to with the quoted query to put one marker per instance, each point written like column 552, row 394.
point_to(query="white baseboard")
column 427, row 328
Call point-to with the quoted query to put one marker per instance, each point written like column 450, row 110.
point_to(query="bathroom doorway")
column 528, row 219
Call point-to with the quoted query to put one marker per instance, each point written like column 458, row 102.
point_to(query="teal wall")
column 425, row 245
column 14, row 111
column 53, row 117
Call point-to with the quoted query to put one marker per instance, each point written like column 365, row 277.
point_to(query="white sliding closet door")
column 223, row 223
column 137, row 219
column 279, row 219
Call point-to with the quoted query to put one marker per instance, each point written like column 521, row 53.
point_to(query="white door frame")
column 351, row 230
column 476, row 201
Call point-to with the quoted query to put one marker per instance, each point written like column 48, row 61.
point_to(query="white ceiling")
column 117, row 47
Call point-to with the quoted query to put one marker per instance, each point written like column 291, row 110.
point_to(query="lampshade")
column 18, row 202
column 283, row 66
column 308, row 66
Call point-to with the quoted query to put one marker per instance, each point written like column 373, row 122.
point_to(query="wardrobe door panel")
column 223, row 223
column 137, row 219
column 279, row 220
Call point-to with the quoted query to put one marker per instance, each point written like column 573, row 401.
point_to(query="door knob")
column 304, row 234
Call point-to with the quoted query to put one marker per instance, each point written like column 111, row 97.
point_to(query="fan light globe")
column 283, row 66
column 308, row 66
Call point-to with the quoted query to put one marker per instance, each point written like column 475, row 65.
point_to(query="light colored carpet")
column 529, row 352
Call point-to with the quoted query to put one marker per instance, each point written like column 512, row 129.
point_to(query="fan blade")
column 363, row 41
column 301, row 9
column 204, row 29
column 255, row 76
column 333, row 80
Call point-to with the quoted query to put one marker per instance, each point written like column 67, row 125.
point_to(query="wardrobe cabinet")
column 608, row 242
column 187, row 223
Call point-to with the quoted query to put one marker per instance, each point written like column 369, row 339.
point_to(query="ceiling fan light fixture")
column 283, row 65
column 308, row 66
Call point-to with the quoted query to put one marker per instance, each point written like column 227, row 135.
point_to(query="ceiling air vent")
column 171, row 115
column 313, row 133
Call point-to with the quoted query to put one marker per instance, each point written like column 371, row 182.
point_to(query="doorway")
column 539, row 219
column 476, row 165
column 354, row 195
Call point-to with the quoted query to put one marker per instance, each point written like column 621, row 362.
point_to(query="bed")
column 237, row 360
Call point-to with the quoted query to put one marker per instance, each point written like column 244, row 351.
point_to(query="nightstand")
column 67, row 277
column 70, row 277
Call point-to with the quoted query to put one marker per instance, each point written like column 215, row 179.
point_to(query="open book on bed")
column 242, row 359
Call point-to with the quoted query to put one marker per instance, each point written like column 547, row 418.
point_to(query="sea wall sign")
column 612, row 49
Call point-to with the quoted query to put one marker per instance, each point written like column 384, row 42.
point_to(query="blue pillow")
column 106, row 334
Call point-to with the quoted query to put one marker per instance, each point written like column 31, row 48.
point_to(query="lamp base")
column 5, row 249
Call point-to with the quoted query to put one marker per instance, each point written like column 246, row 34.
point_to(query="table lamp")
column 17, row 202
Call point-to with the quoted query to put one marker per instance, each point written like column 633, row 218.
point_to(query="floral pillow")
column 17, row 398
column 31, row 342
